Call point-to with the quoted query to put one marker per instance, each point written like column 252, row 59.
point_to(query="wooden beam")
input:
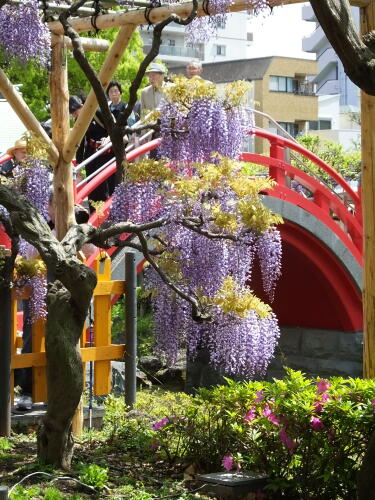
column 89, row 44
column 63, row 200
column 137, row 17
column 368, row 203
column 24, row 113
column 109, row 67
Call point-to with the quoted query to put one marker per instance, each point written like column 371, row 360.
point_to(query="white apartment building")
column 338, row 96
column 231, row 43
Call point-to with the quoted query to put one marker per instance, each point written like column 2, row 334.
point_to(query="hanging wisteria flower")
column 269, row 252
column 23, row 33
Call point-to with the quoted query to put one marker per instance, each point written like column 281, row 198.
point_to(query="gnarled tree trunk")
column 65, row 322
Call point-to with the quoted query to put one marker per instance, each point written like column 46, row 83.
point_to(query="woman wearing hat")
column 17, row 155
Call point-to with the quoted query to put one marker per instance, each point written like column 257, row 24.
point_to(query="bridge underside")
column 321, row 280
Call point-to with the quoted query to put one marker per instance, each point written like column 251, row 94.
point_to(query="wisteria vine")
column 216, row 226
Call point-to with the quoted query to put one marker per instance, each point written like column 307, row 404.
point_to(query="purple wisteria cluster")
column 23, row 34
column 32, row 180
column 136, row 202
column 237, row 345
column 269, row 252
column 205, row 128
column 38, row 286
column 201, row 29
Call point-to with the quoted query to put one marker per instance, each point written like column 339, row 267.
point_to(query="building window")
column 320, row 125
column 250, row 37
column 291, row 128
column 325, row 124
column 221, row 24
column 283, row 84
column 172, row 43
column 220, row 50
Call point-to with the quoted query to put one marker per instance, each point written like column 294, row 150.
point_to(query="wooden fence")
column 101, row 352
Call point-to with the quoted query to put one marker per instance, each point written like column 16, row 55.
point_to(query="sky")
column 281, row 33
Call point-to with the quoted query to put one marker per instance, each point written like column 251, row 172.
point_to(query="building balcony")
column 178, row 51
column 329, row 87
column 326, row 61
column 314, row 41
column 308, row 14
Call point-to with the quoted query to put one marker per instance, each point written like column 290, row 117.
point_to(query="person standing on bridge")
column 94, row 139
column 116, row 106
column 152, row 95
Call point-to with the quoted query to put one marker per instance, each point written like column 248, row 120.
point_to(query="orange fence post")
column 102, row 326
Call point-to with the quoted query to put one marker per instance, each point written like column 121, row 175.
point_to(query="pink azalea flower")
column 287, row 440
column 250, row 415
column 267, row 412
column 159, row 425
column 259, row 396
column 318, row 407
column 322, row 386
column 228, row 462
column 316, row 424
column 325, row 398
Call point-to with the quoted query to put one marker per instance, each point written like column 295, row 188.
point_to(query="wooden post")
column 109, row 67
column 130, row 329
column 368, row 205
column 102, row 327
column 63, row 174
column 5, row 360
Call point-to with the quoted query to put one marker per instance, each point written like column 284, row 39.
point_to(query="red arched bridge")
column 322, row 234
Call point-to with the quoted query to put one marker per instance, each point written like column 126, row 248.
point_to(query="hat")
column 19, row 144
column 74, row 103
column 156, row 68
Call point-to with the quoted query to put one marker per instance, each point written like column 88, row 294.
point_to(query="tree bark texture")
column 69, row 294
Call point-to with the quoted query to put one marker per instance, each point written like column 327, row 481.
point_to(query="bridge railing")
column 342, row 216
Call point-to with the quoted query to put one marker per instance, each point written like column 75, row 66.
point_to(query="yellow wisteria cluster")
column 36, row 148
column 27, row 268
column 232, row 298
column 246, row 208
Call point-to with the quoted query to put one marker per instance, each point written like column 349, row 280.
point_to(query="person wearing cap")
column 17, row 155
column 95, row 137
column 152, row 95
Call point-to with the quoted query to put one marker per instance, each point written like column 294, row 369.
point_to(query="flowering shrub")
column 308, row 435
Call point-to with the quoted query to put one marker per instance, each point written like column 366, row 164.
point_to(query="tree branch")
column 31, row 225
column 357, row 58
column 198, row 313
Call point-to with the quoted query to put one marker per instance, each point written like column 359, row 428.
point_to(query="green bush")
column 346, row 163
column 309, row 435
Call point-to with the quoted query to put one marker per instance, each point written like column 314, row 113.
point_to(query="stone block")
column 319, row 343
column 233, row 485
column 290, row 340
column 338, row 367
column 351, row 346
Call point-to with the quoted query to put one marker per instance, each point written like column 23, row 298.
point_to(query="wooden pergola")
column 65, row 141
